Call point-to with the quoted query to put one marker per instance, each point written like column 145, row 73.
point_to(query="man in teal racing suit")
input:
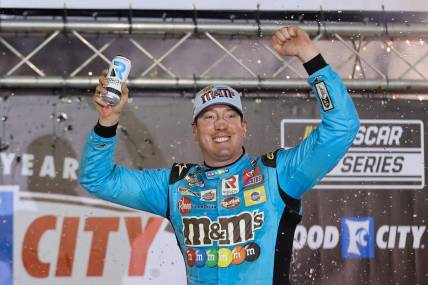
column 234, row 215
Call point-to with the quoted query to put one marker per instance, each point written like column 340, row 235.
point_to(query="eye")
column 231, row 115
column 208, row 116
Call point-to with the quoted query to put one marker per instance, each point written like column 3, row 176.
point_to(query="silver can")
column 117, row 74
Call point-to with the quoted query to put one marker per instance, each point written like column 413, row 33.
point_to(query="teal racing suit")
column 234, row 224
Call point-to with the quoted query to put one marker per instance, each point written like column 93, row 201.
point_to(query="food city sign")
column 386, row 154
column 58, row 239
column 360, row 236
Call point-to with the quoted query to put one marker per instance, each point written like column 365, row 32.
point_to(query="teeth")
column 221, row 139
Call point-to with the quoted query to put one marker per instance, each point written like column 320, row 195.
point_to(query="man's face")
column 220, row 132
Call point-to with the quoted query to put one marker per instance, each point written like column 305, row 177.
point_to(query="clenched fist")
column 293, row 41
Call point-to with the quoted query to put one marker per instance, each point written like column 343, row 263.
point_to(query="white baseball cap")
column 214, row 95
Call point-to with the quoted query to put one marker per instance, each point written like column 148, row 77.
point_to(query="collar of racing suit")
column 226, row 171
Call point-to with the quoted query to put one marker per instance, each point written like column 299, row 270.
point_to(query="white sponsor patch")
column 187, row 192
column 209, row 195
column 230, row 185
column 322, row 93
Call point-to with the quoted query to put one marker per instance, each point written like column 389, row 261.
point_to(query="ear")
column 244, row 127
column 195, row 131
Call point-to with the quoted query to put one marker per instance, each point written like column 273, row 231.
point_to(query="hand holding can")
column 110, row 103
column 117, row 74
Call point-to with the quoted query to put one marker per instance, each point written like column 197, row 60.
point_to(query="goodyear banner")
column 364, row 223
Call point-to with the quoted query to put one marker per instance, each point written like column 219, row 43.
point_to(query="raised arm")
column 140, row 189
column 304, row 165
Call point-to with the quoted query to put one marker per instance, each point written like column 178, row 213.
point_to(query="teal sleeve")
column 145, row 190
column 301, row 167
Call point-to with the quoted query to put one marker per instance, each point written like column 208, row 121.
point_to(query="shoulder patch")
column 179, row 171
column 324, row 96
column 269, row 159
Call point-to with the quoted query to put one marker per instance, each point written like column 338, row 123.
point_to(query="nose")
column 220, row 123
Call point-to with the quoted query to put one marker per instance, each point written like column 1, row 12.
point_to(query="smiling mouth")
column 221, row 139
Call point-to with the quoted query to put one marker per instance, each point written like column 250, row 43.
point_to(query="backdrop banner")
column 364, row 223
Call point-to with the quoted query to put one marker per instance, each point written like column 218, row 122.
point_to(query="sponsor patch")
column 217, row 172
column 226, row 230
column 193, row 180
column 181, row 167
column 187, row 192
column 231, row 202
column 270, row 155
column 230, row 186
column 253, row 181
column 211, row 94
column 322, row 93
column 209, row 195
column 255, row 196
column 184, row 205
column 252, row 177
column 247, row 174
column 203, row 206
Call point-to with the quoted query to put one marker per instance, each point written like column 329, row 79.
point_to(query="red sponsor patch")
column 248, row 174
column 184, row 205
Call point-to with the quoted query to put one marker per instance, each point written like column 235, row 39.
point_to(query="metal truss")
column 387, row 58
